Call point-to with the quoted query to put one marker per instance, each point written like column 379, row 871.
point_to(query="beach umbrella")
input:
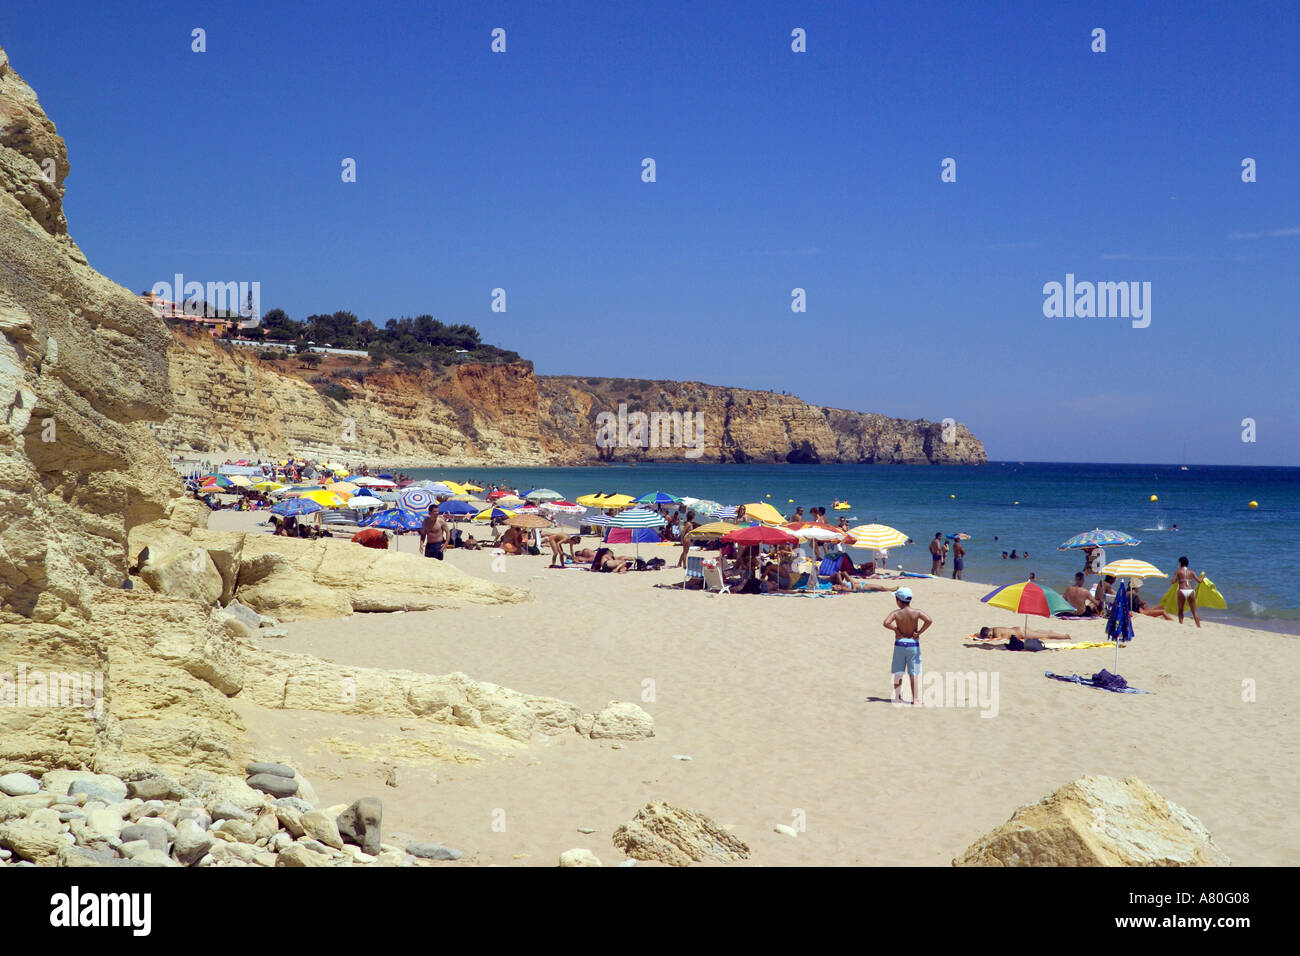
column 415, row 499
column 722, row 514
column 1098, row 538
column 295, row 508
column 488, row 514
column 877, row 537
column 366, row 481
column 457, row 509
column 456, row 488
column 1119, row 623
column 762, row 511
column 714, row 529
column 1027, row 597
column 394, row 519
column 469, row 487
column 242, row 481
column 325, row 498
column 499, row 493
column 435, row 488
column 631, row 518
column 509, row 501
column 760, row 534
column 216, row 481
column 528, row 509
column 342, row 487
column 815, row 531
column 529, row 521
column 657, row 498
column 563, row 507
column 268, row 486
column 543, row 494
column 1132, row 568
column 959, row 536
column 598, row 499
column 364, row 502
column 701, row 506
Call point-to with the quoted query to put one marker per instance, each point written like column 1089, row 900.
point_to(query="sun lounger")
column 712, row 575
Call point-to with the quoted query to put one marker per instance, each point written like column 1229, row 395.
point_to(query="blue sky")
column 775, row 170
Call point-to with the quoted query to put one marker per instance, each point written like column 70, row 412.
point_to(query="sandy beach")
column 781, row 702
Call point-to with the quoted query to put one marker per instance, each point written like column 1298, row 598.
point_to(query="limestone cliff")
column 229, row 401
column 120, row 647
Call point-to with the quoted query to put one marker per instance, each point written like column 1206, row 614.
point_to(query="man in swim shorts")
column 936, row 553
column 1187, row 580
column 433, row 533
column 908, row 624
column 958, row 562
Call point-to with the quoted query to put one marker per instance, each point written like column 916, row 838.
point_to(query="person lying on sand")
column 1139, row 606
column 1079, row 597
column 606, row 561
column 584, row 556
column 842, row 582
column 1006, row 633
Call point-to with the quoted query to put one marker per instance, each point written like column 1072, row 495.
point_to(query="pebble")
column 273, row 631
column 154, row 836
column 432, row 851
column 94, row 791
column 320, row 825
column 71, row 815
column 192, row 843
column 19, row 784
column 586, row 830
column 784, row 830
column 295, row 803
column 225, row 810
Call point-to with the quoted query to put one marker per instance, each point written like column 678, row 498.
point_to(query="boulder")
column 1098, row 821
column 299, row 855
column 319, row 825
column 19, row 784
column 278, row 769
column 620, row 720
column 191, row 842
column 432, row 851
column 359, row 824
column 579, row 857
column 31, row 841
column 676, row 836
column 188, row 573
column 271, row 584
column 274, row 784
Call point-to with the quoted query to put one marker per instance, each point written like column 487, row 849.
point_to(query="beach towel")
column 1092, row 682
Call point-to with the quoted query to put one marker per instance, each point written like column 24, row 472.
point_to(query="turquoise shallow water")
column 1251, row 554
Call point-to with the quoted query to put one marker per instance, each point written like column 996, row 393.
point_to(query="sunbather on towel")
column 1006, row 633
column 840, row 581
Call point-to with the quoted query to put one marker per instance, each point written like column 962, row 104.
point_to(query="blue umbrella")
column 295, row 507
column 723, row 514
column 364, row 493
column 1119, row 625
column 457, row 508
column 393, row 519
column 1099, row 539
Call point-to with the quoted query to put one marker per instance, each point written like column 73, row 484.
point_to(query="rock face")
column 1098, row 821
column 228, row 400
column 678, row 837
column 139, row 682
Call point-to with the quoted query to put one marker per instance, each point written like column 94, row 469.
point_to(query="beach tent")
column 632, row 536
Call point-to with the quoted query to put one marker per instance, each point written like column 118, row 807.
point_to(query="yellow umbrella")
column 242, row 481
column 509, row 501
column 469, row 487
column 762, row 511
column 486, row 513
column 267, row 486
column 715, row 529
column 1132, row 568
column 327, row 499
column 344, row 488
column 877, row 537
column 598, row 500
column 457, row 488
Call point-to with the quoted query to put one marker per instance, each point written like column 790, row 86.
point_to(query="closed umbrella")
column 1119, row 623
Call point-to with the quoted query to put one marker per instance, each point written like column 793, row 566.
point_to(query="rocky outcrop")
column 228, row 401
column 1098, row 821
column 678, row 837
column 117, row 652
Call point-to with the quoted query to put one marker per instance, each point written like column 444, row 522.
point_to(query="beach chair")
column 713, row 581
column 694, row 569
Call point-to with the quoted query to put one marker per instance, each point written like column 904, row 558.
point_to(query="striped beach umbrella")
column 631, row 518
column 722, row 514
column 563, row 507
column 877, row 537
column 490, row 514
column 1097, row 538
column 415, row 499
column 1132, row 568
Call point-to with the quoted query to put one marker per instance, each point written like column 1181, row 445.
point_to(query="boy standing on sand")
column 908, row 624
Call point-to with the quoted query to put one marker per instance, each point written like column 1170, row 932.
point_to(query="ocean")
column 1252, row 555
